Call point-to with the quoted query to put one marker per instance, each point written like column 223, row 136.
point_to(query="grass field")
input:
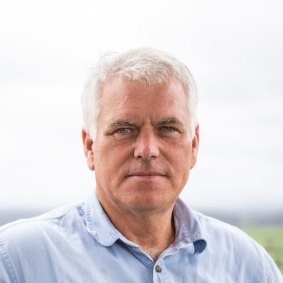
column 271, row 238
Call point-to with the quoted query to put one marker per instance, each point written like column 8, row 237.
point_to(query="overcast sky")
column 233, row 48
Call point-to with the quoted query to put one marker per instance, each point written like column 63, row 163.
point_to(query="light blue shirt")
column 79, row 244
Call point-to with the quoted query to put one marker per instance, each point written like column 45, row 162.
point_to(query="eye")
column 123, row 131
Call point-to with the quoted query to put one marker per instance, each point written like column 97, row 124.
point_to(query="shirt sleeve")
column 7, row 274
column 273, row 273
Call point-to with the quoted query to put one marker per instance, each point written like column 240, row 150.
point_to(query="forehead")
column 123, row 98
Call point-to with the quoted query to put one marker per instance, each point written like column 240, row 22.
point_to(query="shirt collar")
column 98, row 224
column 187, row 227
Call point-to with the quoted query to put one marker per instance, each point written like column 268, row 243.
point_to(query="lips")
column 146, row 174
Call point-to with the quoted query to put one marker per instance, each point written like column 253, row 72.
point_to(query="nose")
column 146, row 145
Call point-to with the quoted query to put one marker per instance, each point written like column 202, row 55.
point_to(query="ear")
column 195, row 145
column 87, row 143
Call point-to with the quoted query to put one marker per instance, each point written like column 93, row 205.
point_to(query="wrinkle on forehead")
column 125, row 100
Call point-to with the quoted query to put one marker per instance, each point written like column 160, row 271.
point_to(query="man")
column 141, row 139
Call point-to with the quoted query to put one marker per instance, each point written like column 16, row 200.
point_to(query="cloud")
column 233, row 49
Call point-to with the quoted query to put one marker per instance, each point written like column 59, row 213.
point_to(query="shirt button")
column 158, row 268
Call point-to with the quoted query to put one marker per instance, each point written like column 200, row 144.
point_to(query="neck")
column 153, row 232
column 153, row 235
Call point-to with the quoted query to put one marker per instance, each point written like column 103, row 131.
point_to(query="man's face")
column 143, row 150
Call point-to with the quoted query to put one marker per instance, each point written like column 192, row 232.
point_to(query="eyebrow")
column 131, row 123
column 122, row 122
column 118, row 123
column 170, row 120
column 162, row 121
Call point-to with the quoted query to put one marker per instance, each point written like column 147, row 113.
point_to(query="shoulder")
column 237, row 249
column 208, row 228
column 32, row 232
column 221, row 233
column 28, row 245
column 217, row 227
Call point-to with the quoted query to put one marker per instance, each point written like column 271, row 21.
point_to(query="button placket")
column 160, row 272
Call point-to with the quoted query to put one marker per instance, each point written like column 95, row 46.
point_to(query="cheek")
column 110, row 157
column 180, row 151
column 181, row 159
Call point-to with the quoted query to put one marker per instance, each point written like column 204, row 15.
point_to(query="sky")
column 233, row 49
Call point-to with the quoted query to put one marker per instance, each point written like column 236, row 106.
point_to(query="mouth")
column 145, row 174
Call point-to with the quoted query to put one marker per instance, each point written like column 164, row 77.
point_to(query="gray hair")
column 145, row 65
